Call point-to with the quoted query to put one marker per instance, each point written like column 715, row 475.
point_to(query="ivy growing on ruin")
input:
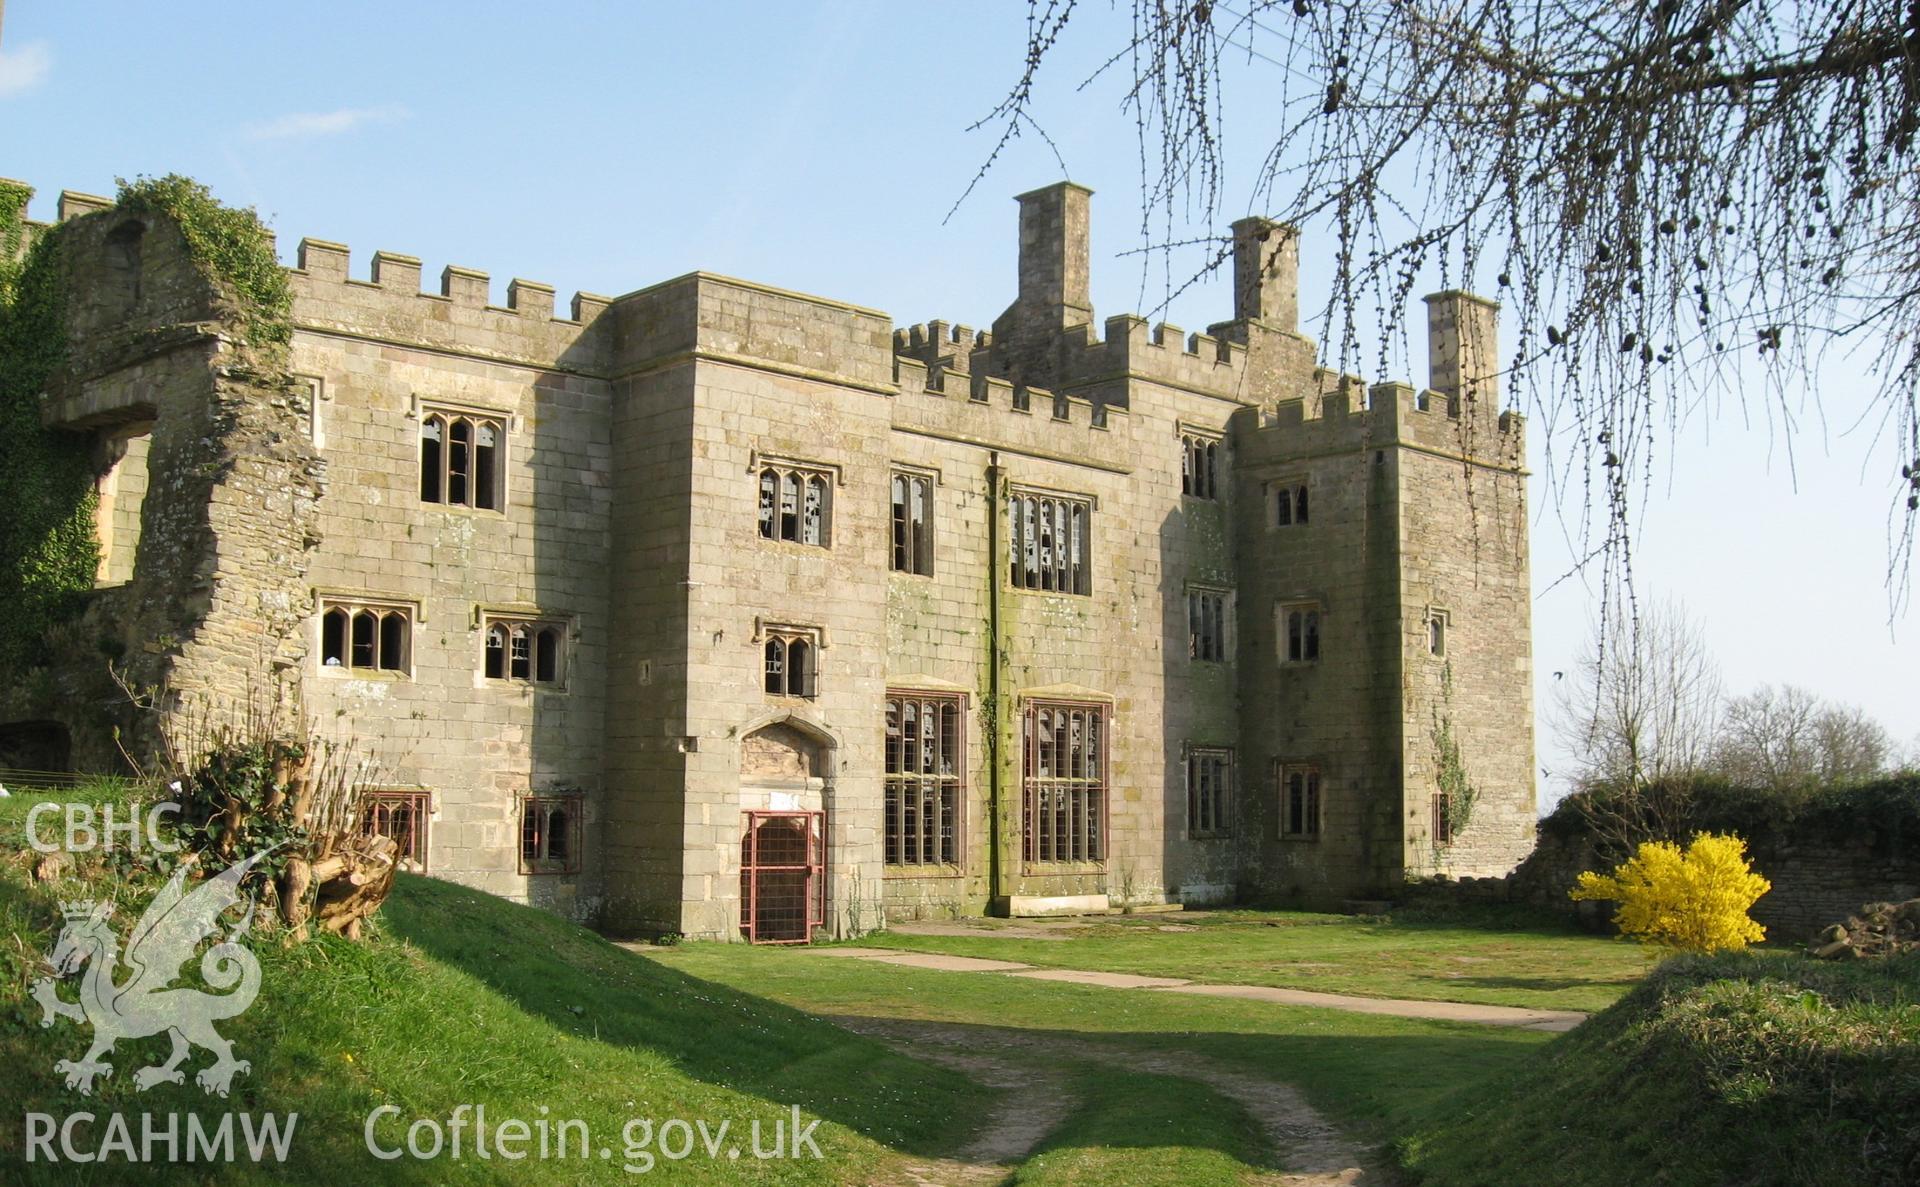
column 48, row 554
column 1457, row 790
column 48, row 551
column 231, row 246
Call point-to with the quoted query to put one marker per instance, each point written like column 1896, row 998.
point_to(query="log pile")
column 1878, row 929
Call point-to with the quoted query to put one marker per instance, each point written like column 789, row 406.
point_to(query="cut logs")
column 1878, row 929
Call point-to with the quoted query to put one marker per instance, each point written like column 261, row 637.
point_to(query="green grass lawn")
column 1383, row 1075
column 460, row 998
column 1489, row 957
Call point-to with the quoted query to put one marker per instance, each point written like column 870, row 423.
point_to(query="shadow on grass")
column 563, row 973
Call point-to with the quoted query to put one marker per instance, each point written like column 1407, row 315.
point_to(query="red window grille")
column 783, row 885
column 401, row 815
column 1065, row 761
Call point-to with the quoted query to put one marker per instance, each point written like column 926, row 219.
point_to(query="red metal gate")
column 783, row 885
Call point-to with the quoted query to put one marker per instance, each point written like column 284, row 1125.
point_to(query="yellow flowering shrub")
column 1692, row 901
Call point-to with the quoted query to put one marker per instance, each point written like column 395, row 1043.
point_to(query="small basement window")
column 550, row 834
column 401, row 815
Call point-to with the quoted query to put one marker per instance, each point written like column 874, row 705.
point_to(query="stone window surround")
column 759, row 461
column 318, row 397
column 1282, row 610
column 1439, row 624
column 1296, row 490
column 766, row 630
column 1225, row 622
column 421, row 407
column 534, row 618
column 1214, row 442
column 354, row 601
column 1223, row 796
column 921, row 560
column 545, row 804
column 1017, row 491
column 951, row 785
column 1313, row 789
column 380, row 802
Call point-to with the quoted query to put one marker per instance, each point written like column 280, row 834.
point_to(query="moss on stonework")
column 48, row 554
column 232, row 247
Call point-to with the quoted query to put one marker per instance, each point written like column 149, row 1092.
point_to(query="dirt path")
column 1310, row 1150
column 1526, row 1019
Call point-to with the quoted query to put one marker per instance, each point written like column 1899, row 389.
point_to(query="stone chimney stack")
column 1463, row 347
column 1266, row 273
column 1054, row 283
column 1055, row 286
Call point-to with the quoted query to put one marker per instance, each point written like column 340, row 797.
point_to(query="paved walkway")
column 1548, row 1020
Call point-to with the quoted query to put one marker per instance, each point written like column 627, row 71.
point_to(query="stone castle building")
column 726, row 610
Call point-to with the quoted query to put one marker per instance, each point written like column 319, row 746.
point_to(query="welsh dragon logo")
column 145, row 1003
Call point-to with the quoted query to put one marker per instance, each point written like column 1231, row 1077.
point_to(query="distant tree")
column 1786, row 738
column 1641, row 703
column 1638, row 711
column 1661, row 187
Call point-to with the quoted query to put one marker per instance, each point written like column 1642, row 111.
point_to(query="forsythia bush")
column 1693, row 901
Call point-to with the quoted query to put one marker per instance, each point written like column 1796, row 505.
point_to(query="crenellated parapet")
column 390, row 304
column 937, row 343
column 993, row 412
column 1349, row 417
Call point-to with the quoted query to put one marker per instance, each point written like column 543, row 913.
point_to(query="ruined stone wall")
column 208, row 610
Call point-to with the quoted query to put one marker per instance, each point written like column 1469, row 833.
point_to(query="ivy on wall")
column 231, row 246
column 1450, row 769
column 48, row 554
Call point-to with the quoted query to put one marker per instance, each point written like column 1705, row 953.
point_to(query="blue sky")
column 606, row 147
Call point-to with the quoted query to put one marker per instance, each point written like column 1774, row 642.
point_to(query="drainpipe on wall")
column 1000, row 870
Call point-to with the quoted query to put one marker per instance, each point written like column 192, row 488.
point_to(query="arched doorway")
column 784, row 782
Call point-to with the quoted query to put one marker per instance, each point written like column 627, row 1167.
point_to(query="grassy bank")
column 462, row 998
column 1763, row 1068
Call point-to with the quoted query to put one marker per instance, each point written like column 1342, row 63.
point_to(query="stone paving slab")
column 1544, row 1020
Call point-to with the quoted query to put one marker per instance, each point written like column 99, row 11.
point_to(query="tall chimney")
column 1054, row 284
column 1055, row 290
column 1463, row 347
column 1266, row 273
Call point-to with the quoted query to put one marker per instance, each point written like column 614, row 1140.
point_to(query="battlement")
column 937, row 342
column 460, row 316
column 988, row 410
column 323, row 260
column 1350, row 416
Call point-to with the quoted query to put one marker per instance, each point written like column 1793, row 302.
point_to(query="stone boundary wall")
column 1817, row 879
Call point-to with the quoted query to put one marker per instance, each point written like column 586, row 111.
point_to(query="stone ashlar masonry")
column 635, row 429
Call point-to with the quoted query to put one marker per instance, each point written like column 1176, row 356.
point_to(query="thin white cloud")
column 305, row 125
column 24, row 68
